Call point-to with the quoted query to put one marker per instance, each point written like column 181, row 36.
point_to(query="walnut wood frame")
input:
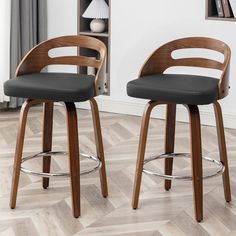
column 162, row 59
column 157, row 63
column 38, row 58
column 34, row 62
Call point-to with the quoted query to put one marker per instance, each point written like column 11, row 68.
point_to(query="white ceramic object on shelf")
column 97, row 25
column 97, row 10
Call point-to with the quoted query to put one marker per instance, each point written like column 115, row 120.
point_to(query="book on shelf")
column 226, row 8
column 219, row 7
column 233, row 7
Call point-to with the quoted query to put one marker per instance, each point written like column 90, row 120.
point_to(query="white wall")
column 62, row 20
column 138, row 27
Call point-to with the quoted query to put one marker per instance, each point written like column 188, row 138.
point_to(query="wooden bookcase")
column 83, row 26
column 211, row 12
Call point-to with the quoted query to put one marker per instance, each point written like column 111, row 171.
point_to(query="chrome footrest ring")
column 182, row 155
column 60, row 174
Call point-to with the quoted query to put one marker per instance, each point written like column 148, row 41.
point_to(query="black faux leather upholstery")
column 179, row 89
column 65, row 87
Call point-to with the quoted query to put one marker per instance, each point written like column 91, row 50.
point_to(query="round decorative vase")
column 97, row 25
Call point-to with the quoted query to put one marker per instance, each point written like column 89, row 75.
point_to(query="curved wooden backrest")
column 38, row 58
column 162, row 59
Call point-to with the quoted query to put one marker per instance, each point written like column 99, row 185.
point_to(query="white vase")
column 97, row 25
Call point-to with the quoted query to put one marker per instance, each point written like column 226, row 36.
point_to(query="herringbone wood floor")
column 48, row 212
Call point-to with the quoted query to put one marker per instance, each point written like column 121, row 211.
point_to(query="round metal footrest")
column 61, row 174
column 182, row 155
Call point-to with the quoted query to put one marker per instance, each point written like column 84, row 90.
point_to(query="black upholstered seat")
column 67, row 87
column 180, row 89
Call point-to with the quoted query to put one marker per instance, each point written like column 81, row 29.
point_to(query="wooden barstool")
column 191, row 91
column 38, row 87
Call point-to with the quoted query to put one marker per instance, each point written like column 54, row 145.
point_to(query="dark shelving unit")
column 84, row 29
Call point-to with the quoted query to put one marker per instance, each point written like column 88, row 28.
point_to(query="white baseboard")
column 108, row 104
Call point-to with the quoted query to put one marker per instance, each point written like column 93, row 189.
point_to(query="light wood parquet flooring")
column 48, row 212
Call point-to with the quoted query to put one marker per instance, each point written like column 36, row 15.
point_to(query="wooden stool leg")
column 19, row 149
column 74, row 158
column 169, row 141
column 222, row 150
column 141, row 152
column 99, row 146
column 196, row 150
column 47, row 139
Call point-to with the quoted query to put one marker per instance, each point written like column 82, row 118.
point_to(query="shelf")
column 221, row 18
column 83, row 28
column 211, row 12
column 89, row 33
